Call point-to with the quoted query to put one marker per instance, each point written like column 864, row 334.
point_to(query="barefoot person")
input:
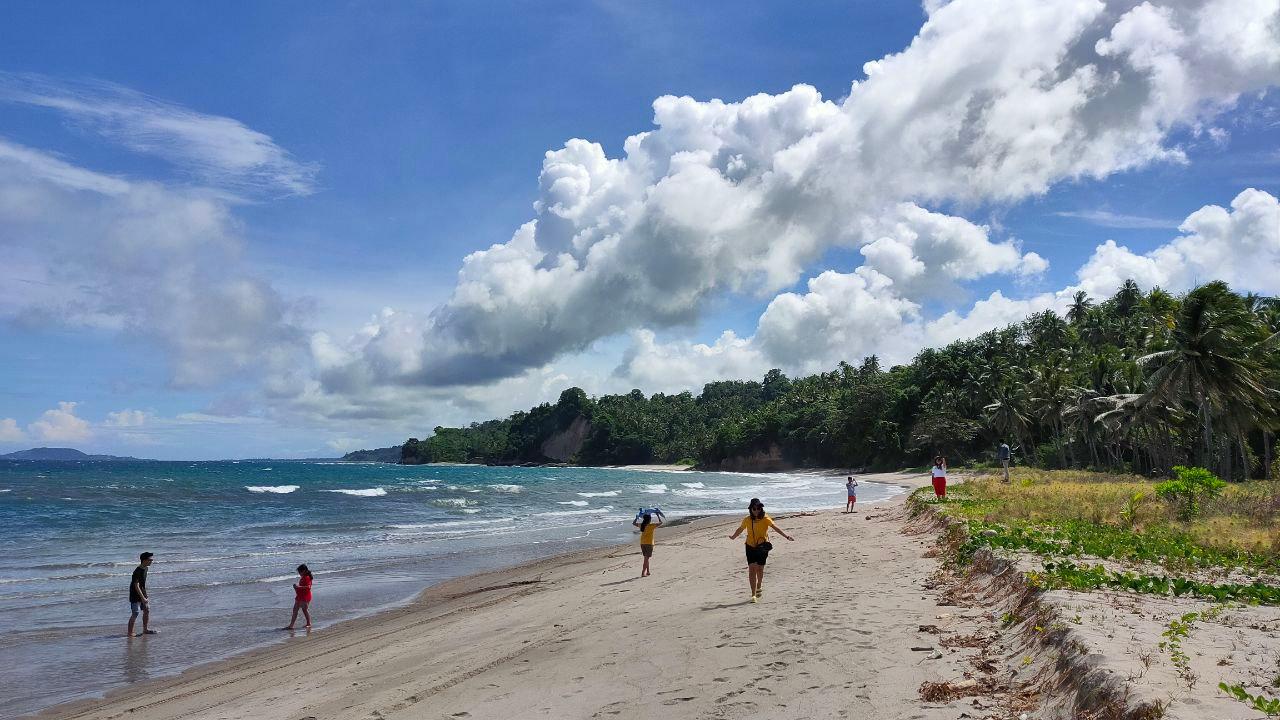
column 647, row 526
column 302, row 597
column 939, row 472
column 757, row 525
column 138, row 600
column 851, row 486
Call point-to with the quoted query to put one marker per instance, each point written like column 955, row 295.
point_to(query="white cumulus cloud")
column 848, row 316
column 994, row 101
column 1240, row 245
column 60, row 425
column 10, row 432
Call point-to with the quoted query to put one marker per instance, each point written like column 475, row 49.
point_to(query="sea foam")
column 453, row 502
column 366, row 492
column 609, row 493
column 594, row 511
column 277, row 489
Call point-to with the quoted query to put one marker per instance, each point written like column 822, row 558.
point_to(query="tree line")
column 1140, row 381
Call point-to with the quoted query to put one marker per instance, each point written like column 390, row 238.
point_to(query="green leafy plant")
column 1261, row 703
column 1188, row 488
column 1180, row 629
column 1130, row 512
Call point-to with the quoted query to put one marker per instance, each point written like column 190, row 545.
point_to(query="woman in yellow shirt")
column 757, row 524
column 646, row 526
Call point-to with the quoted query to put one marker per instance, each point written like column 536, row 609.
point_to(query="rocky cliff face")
column 563, row 445
column 762, row 461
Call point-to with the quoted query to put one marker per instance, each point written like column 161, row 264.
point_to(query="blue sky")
column 402, row 137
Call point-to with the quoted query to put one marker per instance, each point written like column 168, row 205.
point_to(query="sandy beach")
column 583, row 636
column 859, row 618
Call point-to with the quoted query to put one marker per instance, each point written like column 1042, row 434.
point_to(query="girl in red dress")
column 302, row 597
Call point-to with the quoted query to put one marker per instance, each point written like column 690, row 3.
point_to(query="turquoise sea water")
column 228, row 535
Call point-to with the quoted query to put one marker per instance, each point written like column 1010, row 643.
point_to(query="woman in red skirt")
column 940, row 477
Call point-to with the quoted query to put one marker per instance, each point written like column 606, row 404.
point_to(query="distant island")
column 59, row 454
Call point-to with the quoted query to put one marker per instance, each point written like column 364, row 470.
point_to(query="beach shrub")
column 1190, row 486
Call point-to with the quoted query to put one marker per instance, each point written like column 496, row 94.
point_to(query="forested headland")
column 1141, row 381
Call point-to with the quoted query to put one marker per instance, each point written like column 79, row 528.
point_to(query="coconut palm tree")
column 1008, row 415
column 1080, row 304
column 1210, row 365
column 1127, row 298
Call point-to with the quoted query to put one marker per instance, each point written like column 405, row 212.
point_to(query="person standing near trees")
column 939, row 473
column 851, row 487
column 757, row 525
column 1003, row 454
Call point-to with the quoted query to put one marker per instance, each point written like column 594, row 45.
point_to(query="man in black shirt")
column 138, row 600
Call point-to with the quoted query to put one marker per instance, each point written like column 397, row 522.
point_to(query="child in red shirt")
column 302, row 597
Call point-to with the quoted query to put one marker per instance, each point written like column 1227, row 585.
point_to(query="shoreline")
column 445, row 594
column 431, row 606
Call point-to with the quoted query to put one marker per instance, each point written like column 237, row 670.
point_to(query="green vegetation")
column 1101, row 515
column 1261, row 703
column 1068, row 575
column 1179, row 630
column 1077, row 538
column 1065, row 516
column 1188, row 488
column 1137, row 383
column 1085, row 527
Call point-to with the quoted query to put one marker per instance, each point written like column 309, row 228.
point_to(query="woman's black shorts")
column 757, row 555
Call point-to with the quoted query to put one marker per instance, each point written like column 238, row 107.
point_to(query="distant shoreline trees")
column 1141, row 381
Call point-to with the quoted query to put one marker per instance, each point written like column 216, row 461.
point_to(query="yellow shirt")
column 757, row 530
column 646, row 535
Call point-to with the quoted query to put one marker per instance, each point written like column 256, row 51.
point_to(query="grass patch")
column 1241, row 526
column 1063, row 516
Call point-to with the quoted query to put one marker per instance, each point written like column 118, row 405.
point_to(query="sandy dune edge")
column 583, row 636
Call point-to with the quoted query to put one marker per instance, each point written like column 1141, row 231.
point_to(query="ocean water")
column 228, row 535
